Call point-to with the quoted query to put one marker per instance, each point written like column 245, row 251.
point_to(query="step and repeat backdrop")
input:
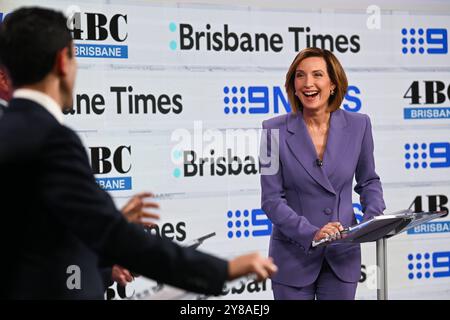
column 170, row 99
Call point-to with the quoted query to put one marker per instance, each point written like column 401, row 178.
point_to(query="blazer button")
column 327, row 211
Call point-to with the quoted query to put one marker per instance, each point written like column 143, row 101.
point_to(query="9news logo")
column 434, row 155
column 272, row 99
column 429, row 265
column 420, row 41
column 248, row 223
column 357, row 211
column 2, row 16
column 255, row 223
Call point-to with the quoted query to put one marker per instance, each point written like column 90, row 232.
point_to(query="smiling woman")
column 321, row 64
column 312, row 84
column 321, row 149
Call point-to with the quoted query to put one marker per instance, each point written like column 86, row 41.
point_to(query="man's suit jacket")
column 2, row 108
column 303, row 196
column 55, row 216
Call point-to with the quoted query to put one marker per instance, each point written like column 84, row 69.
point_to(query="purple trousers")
column 326, row 287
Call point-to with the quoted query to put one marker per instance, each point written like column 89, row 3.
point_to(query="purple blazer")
column 303, row 196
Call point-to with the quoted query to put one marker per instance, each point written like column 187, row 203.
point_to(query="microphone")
column 319, row 162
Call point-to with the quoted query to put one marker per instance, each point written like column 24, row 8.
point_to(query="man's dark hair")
column 30, row 38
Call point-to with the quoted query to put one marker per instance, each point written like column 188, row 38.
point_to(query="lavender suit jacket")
column 302, row 196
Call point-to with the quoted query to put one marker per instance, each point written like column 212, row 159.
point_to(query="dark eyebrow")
column 300, row 70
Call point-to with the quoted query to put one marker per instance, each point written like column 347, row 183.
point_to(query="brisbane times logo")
column 225, row 38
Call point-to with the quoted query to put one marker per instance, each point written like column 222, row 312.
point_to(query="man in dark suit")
column 134, row 210
column 57, row 223
column 2, row 106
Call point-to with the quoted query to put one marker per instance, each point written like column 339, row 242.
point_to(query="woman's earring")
column 332, row 92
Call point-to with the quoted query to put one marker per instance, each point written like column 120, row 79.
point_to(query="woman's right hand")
column 331, row 230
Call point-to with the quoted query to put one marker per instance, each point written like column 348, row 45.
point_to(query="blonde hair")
column 335, row 72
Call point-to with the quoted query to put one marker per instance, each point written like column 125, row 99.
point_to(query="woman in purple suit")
column 320, row 149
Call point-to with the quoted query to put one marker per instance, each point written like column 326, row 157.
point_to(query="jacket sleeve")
column 76, row 201
column 368, row 184
column 273, row 199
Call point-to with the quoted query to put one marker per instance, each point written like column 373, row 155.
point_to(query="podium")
column 379, row 229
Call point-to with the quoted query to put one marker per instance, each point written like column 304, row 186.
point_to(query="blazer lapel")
column 302, row 148
column 337, row 142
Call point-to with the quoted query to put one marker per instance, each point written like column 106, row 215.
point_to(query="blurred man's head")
column 5, row 85
column 36, row 48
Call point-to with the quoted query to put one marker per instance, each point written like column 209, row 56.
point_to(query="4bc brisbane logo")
column 105, row 35
column 116, row 161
